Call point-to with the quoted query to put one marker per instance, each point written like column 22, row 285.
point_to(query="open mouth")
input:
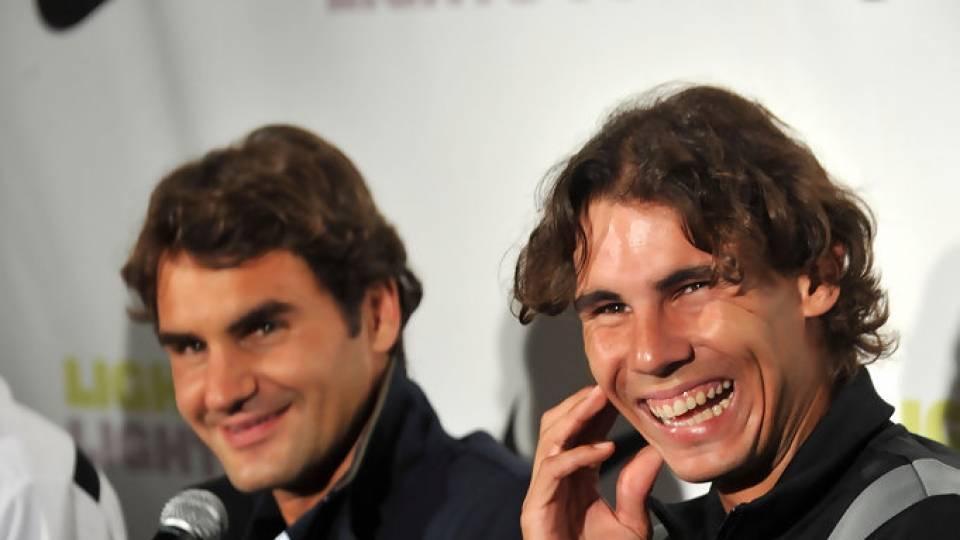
column 694, row 406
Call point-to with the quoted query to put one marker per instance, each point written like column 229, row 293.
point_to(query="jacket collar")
column 856, row 413
column 267, row 521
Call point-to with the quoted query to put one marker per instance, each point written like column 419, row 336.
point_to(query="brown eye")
column 189, row 347
column 266, row 327
column 691, row 288
column 611, row 308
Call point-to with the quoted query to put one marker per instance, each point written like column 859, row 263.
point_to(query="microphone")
column 193, row 514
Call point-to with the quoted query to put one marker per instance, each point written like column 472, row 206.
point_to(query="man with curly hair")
column 728, row 301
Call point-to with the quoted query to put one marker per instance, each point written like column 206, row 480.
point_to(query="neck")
column 293, row 505
column 293, row 502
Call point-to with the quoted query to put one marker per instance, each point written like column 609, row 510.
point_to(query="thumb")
column 633, row 488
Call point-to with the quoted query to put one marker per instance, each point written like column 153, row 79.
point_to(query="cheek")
column 187, row 391
column 303, row 361
column 688, row 307
column 606, row 348
column 323, row 376
column 285, row 366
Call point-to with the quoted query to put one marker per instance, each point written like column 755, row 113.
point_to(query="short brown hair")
column 281, row 187
column 737, row 179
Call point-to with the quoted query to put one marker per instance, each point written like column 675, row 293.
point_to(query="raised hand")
column 563, row 502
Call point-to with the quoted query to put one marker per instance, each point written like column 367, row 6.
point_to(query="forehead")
column 190, row 293
column 636, row 241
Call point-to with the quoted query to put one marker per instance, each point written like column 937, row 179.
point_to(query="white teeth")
column 699, row 418
column 679, row 407
column 667, row 413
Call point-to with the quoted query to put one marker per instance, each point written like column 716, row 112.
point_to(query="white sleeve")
column 97, row 519
column 20, row 517
column 111, row 510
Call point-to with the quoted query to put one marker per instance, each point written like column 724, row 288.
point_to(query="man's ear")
column 818, row 301
column 382, row 315
column 819, row 291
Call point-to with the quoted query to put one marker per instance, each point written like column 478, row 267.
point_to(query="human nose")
column 659, row 347
column 230, row 380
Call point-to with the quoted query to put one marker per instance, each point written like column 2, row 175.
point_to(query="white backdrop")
column 454, row 110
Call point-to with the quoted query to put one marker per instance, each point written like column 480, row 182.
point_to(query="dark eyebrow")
column 666, row 284
column 592, row 298
column 267, row 310
column 689, row 273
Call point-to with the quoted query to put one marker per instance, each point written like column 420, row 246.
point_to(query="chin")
column 699, row 467
column 694, row 473
column 253, row 475
column 248, row 481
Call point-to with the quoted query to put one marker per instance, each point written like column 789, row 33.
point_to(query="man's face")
column 720, row 379
column 264, row 368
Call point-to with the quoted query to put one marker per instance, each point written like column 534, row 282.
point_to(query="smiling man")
column 280, row 294
column 728, row 303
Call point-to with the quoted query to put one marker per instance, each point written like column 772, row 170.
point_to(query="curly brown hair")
column 281, row 187
column 741, row 185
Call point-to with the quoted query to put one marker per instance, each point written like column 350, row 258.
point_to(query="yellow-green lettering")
column 78, row 394
column 128, row 386
column 161, row 386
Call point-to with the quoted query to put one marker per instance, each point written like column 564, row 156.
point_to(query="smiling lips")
column 693, row 406
column 252, row 431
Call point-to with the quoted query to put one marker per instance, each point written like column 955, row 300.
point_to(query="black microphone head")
column 196, row 512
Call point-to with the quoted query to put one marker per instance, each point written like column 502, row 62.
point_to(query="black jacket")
column 413, row 481
column 853, row 444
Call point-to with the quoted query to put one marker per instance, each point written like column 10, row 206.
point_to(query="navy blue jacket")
column 413, row 481
column 853, row 444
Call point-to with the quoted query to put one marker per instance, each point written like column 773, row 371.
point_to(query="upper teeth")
column 689, row 401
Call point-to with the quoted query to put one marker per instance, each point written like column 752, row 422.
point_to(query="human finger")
column 595, row 428
column 576, row 425
column 557, row 468
column 562, row 409
column 547, row 512
column 633, row 487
